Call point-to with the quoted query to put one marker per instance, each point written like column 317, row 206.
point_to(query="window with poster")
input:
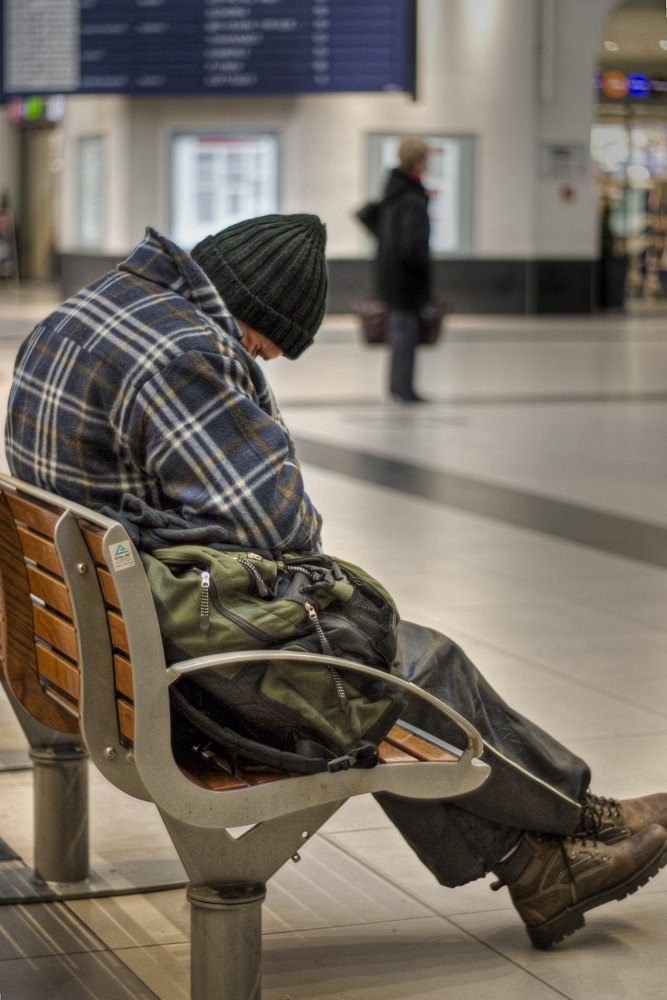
column 91, row 191
column 449, row 181
column 219, row 178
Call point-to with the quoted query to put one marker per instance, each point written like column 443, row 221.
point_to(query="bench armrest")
column 475, row 744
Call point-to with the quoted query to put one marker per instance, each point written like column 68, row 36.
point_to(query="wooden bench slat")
column 59, row 672
column 123, row 673
column 108, row 590
column 204, row 771
column 416, row 746
column 50, row 590
column 117, row 631
column 126, row 721
column 17, row 630
column 40, row 550
column 31, row 512
column 94, row 537
column 207, row 775
column 212, row 773
column 390, row 754
column 56, row 632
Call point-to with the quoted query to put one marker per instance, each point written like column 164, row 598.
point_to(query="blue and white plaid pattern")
column 139, row 384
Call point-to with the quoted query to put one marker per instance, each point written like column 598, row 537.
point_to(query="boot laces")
column 595, row 810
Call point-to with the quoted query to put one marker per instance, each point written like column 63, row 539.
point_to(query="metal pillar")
column 226, row 941
column 61, row 813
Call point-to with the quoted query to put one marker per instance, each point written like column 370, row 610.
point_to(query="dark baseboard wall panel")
column 486, row 286
column 468, row 285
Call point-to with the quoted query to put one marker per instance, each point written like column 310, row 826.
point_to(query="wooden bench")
column 85, row 672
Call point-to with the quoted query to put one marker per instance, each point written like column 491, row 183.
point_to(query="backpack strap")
column 307, row 762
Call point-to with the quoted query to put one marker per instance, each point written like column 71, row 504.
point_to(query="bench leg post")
column 61, row 813
column 226, row 941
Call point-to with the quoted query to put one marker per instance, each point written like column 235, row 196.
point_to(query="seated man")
column 146, row 383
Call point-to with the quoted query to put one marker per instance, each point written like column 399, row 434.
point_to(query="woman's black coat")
column 403, row 265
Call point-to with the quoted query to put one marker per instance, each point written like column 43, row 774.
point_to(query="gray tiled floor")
column 575, row 636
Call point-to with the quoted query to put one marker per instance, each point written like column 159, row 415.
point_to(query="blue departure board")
column 199, row 47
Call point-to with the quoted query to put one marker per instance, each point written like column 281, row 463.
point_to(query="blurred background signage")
column 635, row 86
column 206, row 46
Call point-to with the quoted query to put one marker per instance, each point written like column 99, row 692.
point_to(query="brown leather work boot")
column 610, row 820
column 554, row 882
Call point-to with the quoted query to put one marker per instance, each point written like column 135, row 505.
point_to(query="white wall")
column 565, row 223
column 8, row 158
column 109, row 117
column 480, row 73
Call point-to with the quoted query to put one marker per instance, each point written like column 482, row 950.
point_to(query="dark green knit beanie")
column 272, row 274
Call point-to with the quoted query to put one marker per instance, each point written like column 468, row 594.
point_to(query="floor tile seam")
column 623, row 536
column 61, row 953
column 115, row 951
column 355, row 829
column 126, row 949
column 120, row 950
column 83, row 923
column 513, row 961
column 447, row 918
column 432, row 911
column 554, row 672
column 330, row 838
column 333, row 925
column 147, row 992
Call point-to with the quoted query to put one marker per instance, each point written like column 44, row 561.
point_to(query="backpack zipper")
column 316, row 577
column 262, row 588
column 264, row 637
column 204, row 603
column 326, row 648
column 209, row 594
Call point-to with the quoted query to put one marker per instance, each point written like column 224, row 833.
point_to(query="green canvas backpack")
column 296, row 716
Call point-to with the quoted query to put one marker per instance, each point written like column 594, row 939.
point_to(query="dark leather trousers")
column 535, row 782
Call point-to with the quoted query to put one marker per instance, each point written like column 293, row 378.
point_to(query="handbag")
column 293, row 715
column 369, row 216
column 373, row 315
column 431, row 319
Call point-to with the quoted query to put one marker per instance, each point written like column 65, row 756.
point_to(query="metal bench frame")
column 227, row 874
